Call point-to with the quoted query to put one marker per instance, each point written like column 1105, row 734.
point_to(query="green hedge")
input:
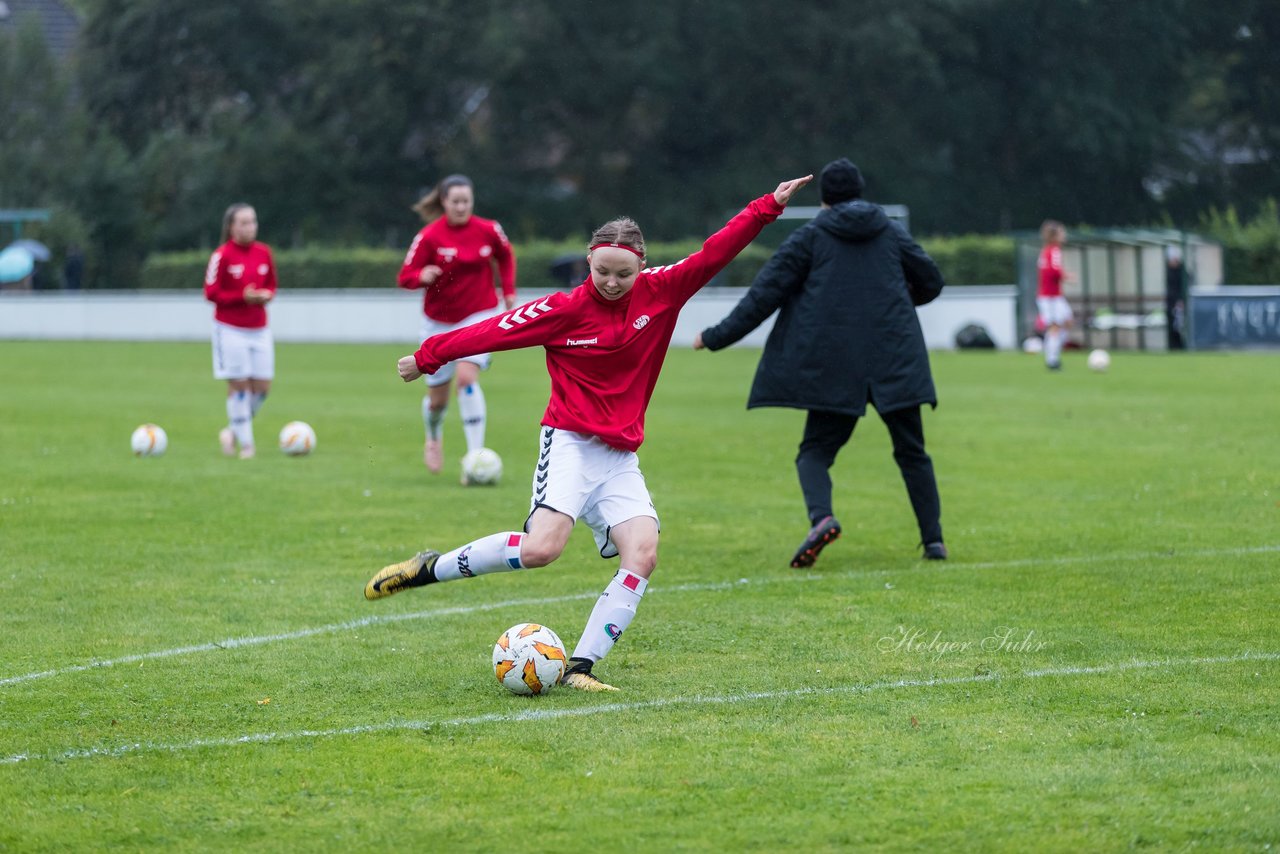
column 1250, row 251
column 970, row 260
column 377, row 268
column 974, row 259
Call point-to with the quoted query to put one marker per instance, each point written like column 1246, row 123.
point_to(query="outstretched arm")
column 924, row 280
column 684, row 278
column 532, row 324
column 785, row 272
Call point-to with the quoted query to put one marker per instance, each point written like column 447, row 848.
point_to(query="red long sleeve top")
column 604, row 356
column 231, row 269
column 1050, row 266
column 466, row 254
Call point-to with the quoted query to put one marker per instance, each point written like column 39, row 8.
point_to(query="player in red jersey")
column 605, row 342
column 1055, row 311
column 240, row 281
column 452, row 260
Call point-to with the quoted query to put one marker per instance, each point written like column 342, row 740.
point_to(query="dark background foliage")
column 332, row 116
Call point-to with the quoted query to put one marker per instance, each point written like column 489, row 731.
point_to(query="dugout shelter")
column 1117, row 288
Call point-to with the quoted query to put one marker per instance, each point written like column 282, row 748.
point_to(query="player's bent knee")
column 640, row 558
column 535, row 552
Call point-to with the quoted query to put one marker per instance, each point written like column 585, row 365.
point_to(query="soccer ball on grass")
column 1099, row 360
column 149, row 440
column 529, row 659
column 297, row 439
column 481, row 467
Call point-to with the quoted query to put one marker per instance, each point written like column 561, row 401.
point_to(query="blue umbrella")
column 38, row 250
column 16, row 264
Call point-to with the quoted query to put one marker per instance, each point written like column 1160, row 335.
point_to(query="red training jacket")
column 604, row 356
column 232, row 268
column 465, row 253
column 1050, row 266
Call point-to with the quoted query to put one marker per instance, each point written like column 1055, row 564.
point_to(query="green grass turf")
column 1119, row 532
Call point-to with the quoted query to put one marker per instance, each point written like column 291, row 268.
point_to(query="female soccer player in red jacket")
column 1055, row 311
column 452, row 261
column 240, row 281
column 605, row 343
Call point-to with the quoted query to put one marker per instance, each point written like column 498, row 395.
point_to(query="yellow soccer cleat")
column 414, row 572
column 579, row 676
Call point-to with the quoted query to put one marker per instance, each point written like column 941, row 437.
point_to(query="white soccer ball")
column 1099, row 360
column 149, row 440
column 297, row 438
column 481, row 467
column 529, row 659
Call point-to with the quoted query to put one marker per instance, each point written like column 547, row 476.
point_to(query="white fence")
column 375, row 316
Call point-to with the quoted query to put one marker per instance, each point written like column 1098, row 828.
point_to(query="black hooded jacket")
column 847, row 284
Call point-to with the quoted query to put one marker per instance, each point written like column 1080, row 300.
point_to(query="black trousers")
column 825, row 433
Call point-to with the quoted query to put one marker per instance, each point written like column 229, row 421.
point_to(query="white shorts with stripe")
column 437, row 327
column 582, row 477
column 243, row 354
column 1055, row 311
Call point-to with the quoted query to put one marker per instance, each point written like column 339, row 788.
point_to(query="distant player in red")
column 240, row 281
column 453, row 260
column 1055, row 311
column 605, row 343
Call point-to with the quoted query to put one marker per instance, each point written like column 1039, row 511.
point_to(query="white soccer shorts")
column 1055, row 311
column 243, row 354
column 436, row 327
column 583, row 478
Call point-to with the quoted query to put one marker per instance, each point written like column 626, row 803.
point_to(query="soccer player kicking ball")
column 605, row 342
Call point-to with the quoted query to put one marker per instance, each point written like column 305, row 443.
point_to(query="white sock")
column 241, row 418
column 471, row 406
column 611, row 615
column 256, row 400
column 494, row 553
column 1052, row 346
column 432, row 418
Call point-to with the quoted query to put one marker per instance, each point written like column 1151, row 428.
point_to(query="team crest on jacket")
column 641, row 322
column 262, row 269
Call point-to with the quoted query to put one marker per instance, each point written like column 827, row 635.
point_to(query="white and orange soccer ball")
column 149, row 440
column 297, row 439
column 529, row 659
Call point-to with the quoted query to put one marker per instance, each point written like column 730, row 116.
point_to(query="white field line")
column 259, row 640
column 612, row 708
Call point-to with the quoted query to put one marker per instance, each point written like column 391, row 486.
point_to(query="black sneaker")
column 823, row 532
column 935, row 551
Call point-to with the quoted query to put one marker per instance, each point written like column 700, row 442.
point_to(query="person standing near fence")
column 846, row 285
column 1055, row 311
column 240, row 281
column 452, row 260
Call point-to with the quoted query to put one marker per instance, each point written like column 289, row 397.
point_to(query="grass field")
column 187, row 663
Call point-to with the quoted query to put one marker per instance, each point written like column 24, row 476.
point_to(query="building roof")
column 57, row 20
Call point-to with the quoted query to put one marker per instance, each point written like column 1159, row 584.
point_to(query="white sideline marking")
column 259, row 640
column 608, row 708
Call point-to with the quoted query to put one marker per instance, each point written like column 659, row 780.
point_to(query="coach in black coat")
column 846, row 285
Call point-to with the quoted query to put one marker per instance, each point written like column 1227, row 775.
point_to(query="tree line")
column 332, row 116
